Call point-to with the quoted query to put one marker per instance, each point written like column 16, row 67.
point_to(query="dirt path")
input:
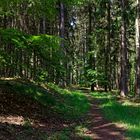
column 100, row 128
column 12, row 116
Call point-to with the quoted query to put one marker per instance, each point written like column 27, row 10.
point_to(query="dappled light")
column 69, row 70
column 17, row 120
column 126, row 114
column 29, row 105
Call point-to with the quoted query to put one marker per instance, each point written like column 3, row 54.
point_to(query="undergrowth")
column 62, row 102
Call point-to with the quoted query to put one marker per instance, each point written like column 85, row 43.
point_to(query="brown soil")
column 18, row 113
column 102, row 129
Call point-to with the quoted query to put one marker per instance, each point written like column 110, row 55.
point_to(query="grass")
column 126, row 113
column 62, row 104
column 74, row 104
column 65, row 103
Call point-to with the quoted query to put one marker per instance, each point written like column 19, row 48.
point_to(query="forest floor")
column 102, row 129
column 74, row 116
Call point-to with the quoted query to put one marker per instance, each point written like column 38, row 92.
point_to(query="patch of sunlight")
column 121, row 124
column 39, row 93
column 127, row 102
column 45, row 86
column 9, row 79
column 16, row 120
column 108, row 104
column 124, row 114
column 35, row 37
column 82, row 131
column 100, row 95
column 67, row 91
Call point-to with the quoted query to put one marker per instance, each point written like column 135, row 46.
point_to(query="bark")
column 109, row 44
column 62, row 35
column 62, row 23
column 137, row 82
column 123, row 52
column 90, row 29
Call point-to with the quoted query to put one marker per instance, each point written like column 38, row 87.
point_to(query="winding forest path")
column 13, row 114
column 102, row 128
column 99, row 128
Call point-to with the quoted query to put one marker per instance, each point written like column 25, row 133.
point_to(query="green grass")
column 61, row 102
column 125, row 113
column 57, row 102
column 73, row 104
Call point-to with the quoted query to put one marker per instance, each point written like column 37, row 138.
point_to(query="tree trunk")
column 90, row 29
column 137, row 80
column 62, row 34
column 123, row 53
column 109, row 68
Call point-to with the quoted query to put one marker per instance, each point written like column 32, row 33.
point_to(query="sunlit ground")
column 124, row 113
column 32, row 112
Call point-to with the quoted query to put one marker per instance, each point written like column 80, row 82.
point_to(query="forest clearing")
column 69, row 70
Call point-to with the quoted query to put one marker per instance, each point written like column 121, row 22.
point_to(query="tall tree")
column 91, row 59
column 108, row 47
column 123, row 50
column 137, row 81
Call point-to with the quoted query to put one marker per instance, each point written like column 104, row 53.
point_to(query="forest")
column 69, row 69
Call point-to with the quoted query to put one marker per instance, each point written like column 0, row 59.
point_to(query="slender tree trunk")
column 62, row 23
column 62, row 35
column 34, row 65
column 123, row 53
column 89, row 43
column 21, row 63
column 137, row 80
column 109, row 45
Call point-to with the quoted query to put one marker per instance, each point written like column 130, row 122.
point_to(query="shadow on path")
column 102, row 128
column 98, row 127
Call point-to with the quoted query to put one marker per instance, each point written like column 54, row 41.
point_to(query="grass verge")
column 125, row 113
column 65, row 103
column 51, row 102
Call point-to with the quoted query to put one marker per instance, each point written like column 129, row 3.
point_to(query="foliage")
column 96, row 77
column 45, row 46
column 41, row 76
column 23, row 40
column 13, row 36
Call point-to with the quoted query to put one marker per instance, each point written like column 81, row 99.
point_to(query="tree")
column 137, row 81
column 123, row 51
